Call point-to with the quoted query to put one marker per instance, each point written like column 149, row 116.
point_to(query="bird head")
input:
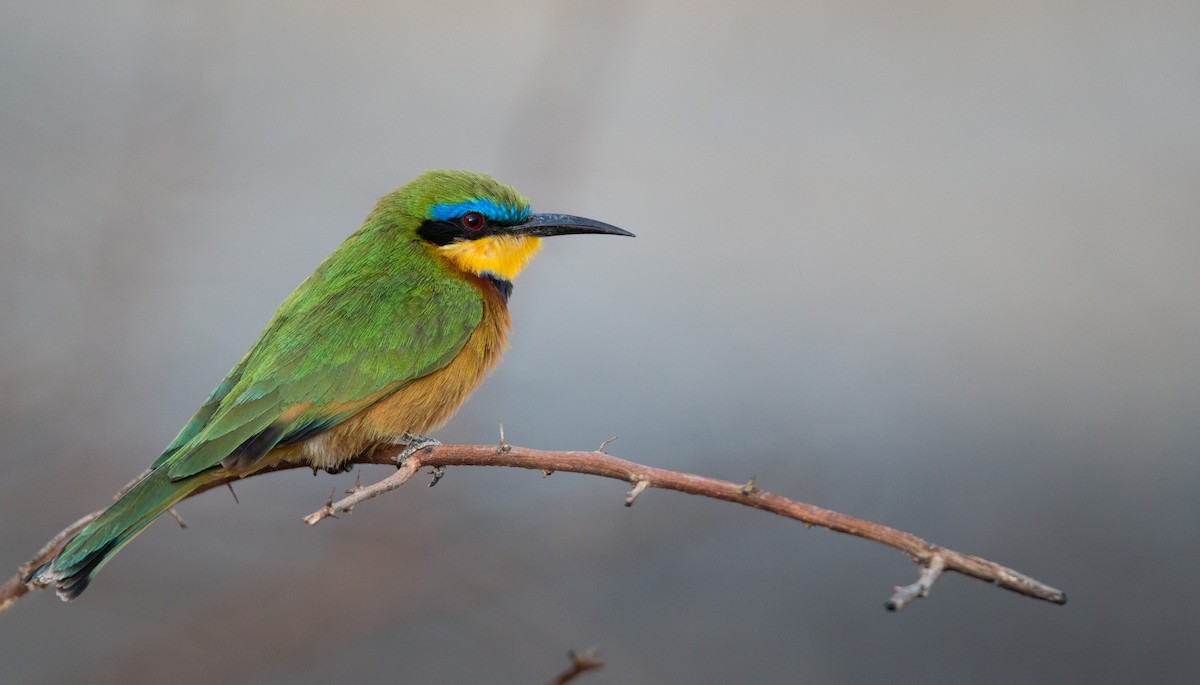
column 480, row 225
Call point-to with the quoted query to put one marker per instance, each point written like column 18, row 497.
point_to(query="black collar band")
column 503, row 285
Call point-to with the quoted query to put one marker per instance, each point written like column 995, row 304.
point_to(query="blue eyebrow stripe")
column 489, row 208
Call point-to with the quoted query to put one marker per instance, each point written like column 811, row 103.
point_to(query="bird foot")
column 412, row 445
column 344, row 468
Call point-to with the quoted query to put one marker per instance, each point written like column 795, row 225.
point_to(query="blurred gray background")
column 931, row 263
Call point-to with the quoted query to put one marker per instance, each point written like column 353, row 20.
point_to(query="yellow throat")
column 500, row 255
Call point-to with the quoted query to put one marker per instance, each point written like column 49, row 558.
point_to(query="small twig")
column 361, row 494
column 907, row 593
column 589, row 660
column 636, row 490
column 604, row 444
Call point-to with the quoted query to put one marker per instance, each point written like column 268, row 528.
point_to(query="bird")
column 379, row 346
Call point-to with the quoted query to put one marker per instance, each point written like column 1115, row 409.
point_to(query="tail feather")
column 84, row 555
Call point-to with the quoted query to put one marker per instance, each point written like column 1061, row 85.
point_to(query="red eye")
column 472, row 221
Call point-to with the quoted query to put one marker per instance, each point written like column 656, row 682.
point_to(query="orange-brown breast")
column 424, row 404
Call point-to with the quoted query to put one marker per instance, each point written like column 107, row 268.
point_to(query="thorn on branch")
column 546, row 473
column 749, row 489
column 636, row 490
column 178, row 519
column 604, row 444
column 326, row 511
column 235, row 497
column 903, row 595
column 503, row 447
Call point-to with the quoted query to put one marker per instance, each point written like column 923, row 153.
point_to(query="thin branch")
column 925, row 554
column 581, row 663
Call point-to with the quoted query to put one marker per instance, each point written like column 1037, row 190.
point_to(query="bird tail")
column 83, row 555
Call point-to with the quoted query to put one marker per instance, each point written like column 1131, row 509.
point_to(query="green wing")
column 340, row 342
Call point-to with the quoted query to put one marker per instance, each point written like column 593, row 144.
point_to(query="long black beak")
column 545, row 225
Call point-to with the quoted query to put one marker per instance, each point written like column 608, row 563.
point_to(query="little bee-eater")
column 379, row 346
